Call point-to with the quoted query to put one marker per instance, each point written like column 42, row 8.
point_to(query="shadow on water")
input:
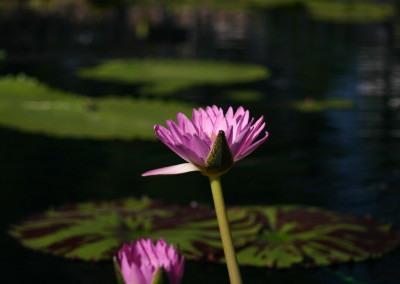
column 344, row 160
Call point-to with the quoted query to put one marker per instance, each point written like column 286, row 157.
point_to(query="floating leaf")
column 244, row 96
column 294, row 234
column 277, row 236
column 232, row 5
column 97, row 230
column 166, row 76
column 350, row 11
column 3, row 54
column 29, row 105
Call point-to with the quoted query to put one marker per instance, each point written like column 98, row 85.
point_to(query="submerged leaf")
column 278, row 236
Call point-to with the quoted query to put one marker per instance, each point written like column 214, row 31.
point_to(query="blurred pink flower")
column 140, row 261
column 194, row 140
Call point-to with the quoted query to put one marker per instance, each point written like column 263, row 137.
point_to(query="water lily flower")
column 212, row 142
column 141, row 262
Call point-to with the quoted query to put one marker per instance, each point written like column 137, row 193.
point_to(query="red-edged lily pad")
column 277, row 236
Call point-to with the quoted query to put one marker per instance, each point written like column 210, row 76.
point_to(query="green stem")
column 229, row 250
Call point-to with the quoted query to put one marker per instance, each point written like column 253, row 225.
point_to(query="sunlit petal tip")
column 172, row 170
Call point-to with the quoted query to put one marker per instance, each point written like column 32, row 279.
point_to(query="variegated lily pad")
column 277, row 236
column 298, row 234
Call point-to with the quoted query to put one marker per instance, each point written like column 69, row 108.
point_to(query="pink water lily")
column 140, row 261
column 195, row 141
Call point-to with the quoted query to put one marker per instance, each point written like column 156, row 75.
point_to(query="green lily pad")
column 311, row 105
column 350, row 11
column 278, row 236
column 167, row 76
column 31, row 106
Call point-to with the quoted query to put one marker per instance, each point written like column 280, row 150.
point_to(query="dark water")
column 343, row 160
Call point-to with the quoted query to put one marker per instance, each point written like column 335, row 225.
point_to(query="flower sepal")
column 220, row 159
column 118, row 273
column 160, row 277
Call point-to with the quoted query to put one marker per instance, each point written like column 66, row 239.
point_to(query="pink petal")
column 145, row 248
column 219, row 124
column 239, row 141
column 165, row 136
column 245, row 119
column 141, row 275
column 211, row 114
column 185, row 124
column 206, row 124
column 179, row 270
column 250, row 149
column 240, row 127
column 192, row 156
column 199, row 146
column 175, row 131
column 196, row 120
column 126, row 270
column 239, row 113
column 255, row 130
column 229, row 135
column 229, row 116
column 172, row 170
column 216, row 110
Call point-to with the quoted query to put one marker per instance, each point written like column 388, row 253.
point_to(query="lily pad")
column 350, row 11
column 95, row 231
column 233, row 5
column 278, row 236
column 311, row 105
column 31, row 106
column 167, row 76
column 3, row 54
column 297, row 234
column 247, row 96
